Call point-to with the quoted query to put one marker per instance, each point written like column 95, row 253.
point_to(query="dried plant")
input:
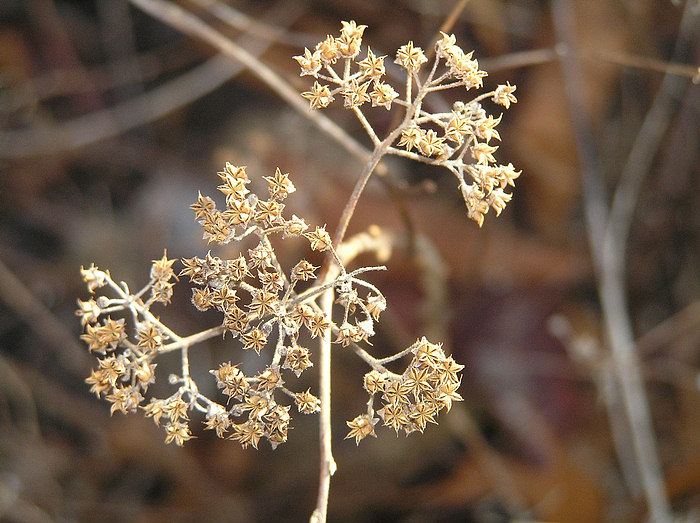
column 271, row 309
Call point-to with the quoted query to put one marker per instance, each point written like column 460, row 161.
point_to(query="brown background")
column 531, row 440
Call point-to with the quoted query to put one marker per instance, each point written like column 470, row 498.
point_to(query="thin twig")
column 257, row 28
column 644, row 150
column 193, row 339
column 127, row 115
column 16, row 389
column 447, row 25
column 608, row 231
column 132, row 113
column 151, row 64
column 519, row 59
column 682, row 324
column 42, row 321
column 119, row 40
column 645, row 63
column 380, row 150
column 189, row 24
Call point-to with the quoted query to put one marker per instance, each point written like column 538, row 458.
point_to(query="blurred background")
column 111, row 120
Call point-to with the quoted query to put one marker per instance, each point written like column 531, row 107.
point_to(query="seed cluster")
column 459, row 140
column 411, row 400
column 264, row 307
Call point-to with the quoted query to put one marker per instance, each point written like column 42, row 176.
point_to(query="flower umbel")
column 458, row 139
column 263, row 304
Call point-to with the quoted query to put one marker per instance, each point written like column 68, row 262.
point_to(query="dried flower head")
column 458, row 140
column 263, row 305
column 410, row 58
column 412, row 400
column 361, row 427
column 310, row 63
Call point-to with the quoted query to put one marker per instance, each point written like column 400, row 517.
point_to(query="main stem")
column 380, row 150
column 328, row 465
column 349, row 209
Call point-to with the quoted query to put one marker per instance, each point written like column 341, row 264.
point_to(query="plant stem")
column 379, row 151
column 327, row 465
column 192, row 339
